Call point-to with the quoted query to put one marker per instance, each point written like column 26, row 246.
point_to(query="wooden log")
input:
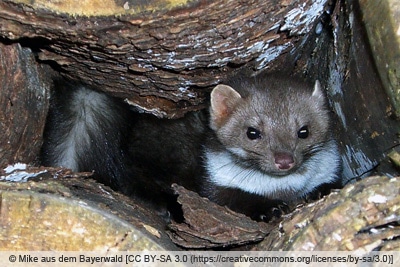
column 382, row 22
column 361, row 217
column 65, row 210
column 366, row 125
column 54, row 209
column 24, row 92
column 160, row 59
column 164, row 62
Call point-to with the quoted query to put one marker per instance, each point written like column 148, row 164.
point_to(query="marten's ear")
column 224, row 100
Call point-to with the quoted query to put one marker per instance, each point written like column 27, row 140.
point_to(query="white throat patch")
column 321, row 168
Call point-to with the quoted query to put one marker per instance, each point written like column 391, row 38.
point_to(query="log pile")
column 163, row 58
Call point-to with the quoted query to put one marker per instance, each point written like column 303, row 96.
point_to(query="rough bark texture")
column 54, row 209
column 382, row 20
column 165, row 62
column 363, row 216
column 208, row 225
column 366, row 126
column 162, row 61
column 48, row 214
column 24, row 92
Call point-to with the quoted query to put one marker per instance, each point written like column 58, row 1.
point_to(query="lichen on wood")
column 65, row 213
column 165, row 61
column 363, row 217
column 173, row 54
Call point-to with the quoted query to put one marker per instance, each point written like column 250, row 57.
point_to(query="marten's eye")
column 253, row 133
column 303, row 132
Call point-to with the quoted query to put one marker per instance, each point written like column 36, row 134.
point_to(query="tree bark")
column 162, row 61
column 165, row 61
column 366, row 127
column 361, row 217
column 24, row 92
column 65, row 213
column 382, row 26
column 54, row 209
